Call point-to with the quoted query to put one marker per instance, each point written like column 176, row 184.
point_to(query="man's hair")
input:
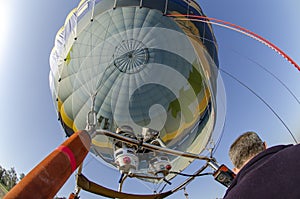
column 244, row 148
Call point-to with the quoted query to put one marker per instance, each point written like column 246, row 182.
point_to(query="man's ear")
column 265, row 145
column 235, row 170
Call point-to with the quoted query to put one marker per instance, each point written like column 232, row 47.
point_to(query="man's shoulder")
column 257, row 173
column 278, row 150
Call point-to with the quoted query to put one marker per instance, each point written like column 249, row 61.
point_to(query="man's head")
column 244, row 148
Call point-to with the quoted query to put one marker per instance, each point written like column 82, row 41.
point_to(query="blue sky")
column 28, row 120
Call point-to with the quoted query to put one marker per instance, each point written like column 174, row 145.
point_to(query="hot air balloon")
column 134, row 66
column 128, row 67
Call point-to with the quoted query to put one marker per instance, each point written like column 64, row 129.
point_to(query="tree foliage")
column 9, row 178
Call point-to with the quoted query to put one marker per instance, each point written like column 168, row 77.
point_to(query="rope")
column 238, row 29
column 261, row 99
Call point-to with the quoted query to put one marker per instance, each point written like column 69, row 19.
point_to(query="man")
column 272, row 173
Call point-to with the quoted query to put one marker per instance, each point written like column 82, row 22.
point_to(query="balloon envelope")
column 135, row 66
